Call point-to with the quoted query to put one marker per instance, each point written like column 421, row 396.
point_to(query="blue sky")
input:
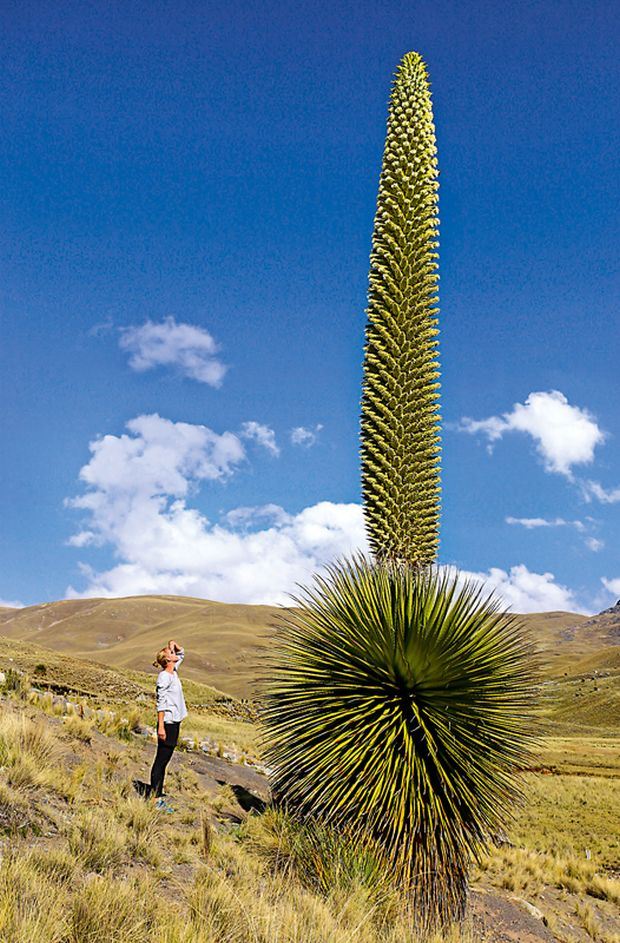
column 187, row 204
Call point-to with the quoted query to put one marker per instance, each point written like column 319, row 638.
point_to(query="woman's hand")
column 174, row 646
column 161, row 733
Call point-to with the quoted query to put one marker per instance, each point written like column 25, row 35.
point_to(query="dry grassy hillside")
column 83, row 860
column 226, row 641
column 554, row 876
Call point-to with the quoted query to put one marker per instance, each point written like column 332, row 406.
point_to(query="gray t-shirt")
column 170, row 694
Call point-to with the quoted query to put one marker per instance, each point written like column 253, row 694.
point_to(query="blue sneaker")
column 163, row 806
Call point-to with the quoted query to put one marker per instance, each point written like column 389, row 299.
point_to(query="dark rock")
column 232, row 774
column 247, row 800
column 613, row 610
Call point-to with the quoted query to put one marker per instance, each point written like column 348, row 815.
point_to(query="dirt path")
column 500, row 920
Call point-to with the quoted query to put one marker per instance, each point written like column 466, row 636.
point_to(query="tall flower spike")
column 400, row 404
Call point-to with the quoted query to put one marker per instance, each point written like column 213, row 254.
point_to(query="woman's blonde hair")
column 162, row 658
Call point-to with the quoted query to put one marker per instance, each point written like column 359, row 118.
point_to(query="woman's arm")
column 163, row 683
column 178, row 650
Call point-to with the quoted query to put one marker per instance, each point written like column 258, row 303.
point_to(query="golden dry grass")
column 99, row 865
column 79, row 844
column 226, row 641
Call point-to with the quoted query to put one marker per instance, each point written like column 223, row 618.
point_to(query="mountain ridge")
column 227, row 640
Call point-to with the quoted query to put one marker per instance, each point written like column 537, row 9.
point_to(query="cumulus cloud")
column 592, row 489
column 533, row 523
column 612, row 586
column 525, row 591
column 192, row 350
column 179, row 551
column 262, row 435
column 157, row 461
column 564, row 435
column 161, row 456
column 306, row 437
column 138, row 487
column 245, row 517
column 11, row 604
column 530, row 523
column 83, row 538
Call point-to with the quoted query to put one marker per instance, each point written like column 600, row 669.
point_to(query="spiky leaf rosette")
column 397, row 708
column 400, row 401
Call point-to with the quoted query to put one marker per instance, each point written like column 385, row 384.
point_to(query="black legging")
column 165, row 749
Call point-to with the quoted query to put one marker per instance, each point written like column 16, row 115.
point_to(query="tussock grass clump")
column 142, row 823
column 320, row 858
column 28, row 750
column 32, row 906
column 16, row 812
column 122, row 725
column 23, row 772
column 110, row 910
column 98, row 841
column 78, row 728
column 56, row 864
column 20, row 735
column 241, row 909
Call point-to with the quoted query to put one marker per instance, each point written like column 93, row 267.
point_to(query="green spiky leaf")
column 400, row 403
column 397, row 709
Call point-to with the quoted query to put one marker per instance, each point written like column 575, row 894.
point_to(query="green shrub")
column 398, row 711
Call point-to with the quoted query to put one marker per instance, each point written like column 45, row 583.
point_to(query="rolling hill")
column 226, row 641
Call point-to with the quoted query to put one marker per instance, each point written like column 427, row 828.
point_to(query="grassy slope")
column 564, row 855
column 213, row 714
column 580, row 656
column 226, row 641
column 71, row 831
column 63, row 673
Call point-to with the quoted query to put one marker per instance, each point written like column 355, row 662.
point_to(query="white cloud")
column 11, row 604
column 130, row 475
column 245, row 517
column 524, row 591
column 565, row 435
column 592, row 489
column 612, row 586
column 178, row 551
column 83, row 538
column 262, row 435
column 533, row 522
column 190, row 349
column 136, row 502
column 138, row 488
column 161, row 456
column 301, row 435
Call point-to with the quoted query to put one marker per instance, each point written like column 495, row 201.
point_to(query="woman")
column 171, row 711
